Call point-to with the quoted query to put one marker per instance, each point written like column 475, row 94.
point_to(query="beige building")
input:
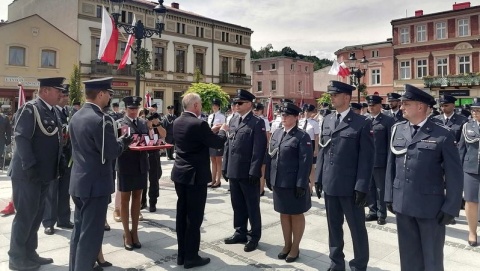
column 34, row 49
column 220, row 50
column 321, row 80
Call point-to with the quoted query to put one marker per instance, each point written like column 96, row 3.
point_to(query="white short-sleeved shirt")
column 267, row 124
column 219, row 118
column 312, row 129
column 275, row 124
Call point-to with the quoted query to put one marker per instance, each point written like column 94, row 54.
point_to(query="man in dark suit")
column 191, row 174
column 242, row 163
column 34, row 166
column 394, row 111
column 57, row 203
column 424, row 183
column 453, row 121
column 344, row 170
column 168, row 125
column 5, row 133
column 95, row 147
column 381, row 127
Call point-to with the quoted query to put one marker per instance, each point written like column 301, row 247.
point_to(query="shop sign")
column 18, row 79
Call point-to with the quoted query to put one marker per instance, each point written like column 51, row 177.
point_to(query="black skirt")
column 285, row 202
column 471, row 185
column 132, row 182
column 216, row 152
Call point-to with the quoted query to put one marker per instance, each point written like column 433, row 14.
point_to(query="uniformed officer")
column 116, row 114
column 216, row 154
column 242, row 163
column 57, row 204
column 381, row 128
column 277, row 122
column 289, row 162
column 34, row 166
column 76, row 106
column 310, row 125
column 258, row 109
column 365, row 110
column 94, row 148
column 232, row 112
column 449, row 118
column 168, row 125
column 356, row 108
column 393, row 100
column 343, row 171
column 424, row 183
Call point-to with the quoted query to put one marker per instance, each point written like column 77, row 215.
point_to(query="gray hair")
column 190, row 99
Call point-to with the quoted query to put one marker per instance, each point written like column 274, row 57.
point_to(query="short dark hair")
column 91, row 94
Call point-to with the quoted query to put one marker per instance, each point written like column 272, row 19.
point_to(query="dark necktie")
column 305, row 125
column 337, row 122
column 134, row 122
column 283, row 135
column 239, row 121
column 213, row 119
column 64, row 111
column 415, row 130
column 446, row 121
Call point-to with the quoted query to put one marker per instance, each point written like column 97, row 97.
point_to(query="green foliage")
column 326, row 98
column 197, row 76
column 144, row 64
column 208, row 92
column 76, row 93
column 363, row 89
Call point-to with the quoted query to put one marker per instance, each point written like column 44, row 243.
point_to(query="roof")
column 362, row 46
column 437, row 14
column 279, row 57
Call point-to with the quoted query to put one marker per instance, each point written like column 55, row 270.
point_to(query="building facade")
column 283, row 77
column 219, row 50
column 321, row 80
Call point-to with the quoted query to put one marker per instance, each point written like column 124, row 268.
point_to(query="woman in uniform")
column 289, row 162
column 216, row 154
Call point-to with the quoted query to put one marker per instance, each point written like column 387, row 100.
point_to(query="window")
column 199, row 61
column 159, row 59
column 306, row 68
column 180, row 28
column 225, row 65
column 274, row 85
column 225, row 37
column 273, row 66
column 375, row 77
column 259, row 67
column 422, row 68
column 463, row 64
column 239, row 65
column 97, row 48
column 292, row 67
column 404, row 35
column 49, row 59
column 374, row 53
column 463, row 27
column 239, row 39
column 123, row 17
column 441, row 30
column 199, row 32
column 421, row 33
column 180, row 61
column 130, row 17
column 405, row 69
column 16, row 56
column 259, row 86
column 300, row 83
column 442, row 67
column 99, row 11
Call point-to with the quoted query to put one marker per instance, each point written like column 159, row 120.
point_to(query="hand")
column 254, row 180
column 126, row 140
column 444, row 218
column 269, row 185
column 318, row 189
column 32, row 175
column 216, row 128
column 299, row 192
column 390, row 207
column 360, row 199
column 224, row 175
column 224, row 127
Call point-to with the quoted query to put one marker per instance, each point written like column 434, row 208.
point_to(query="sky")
column 310, row 27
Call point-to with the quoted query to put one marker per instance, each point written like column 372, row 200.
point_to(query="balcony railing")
column 235, row 79
column 470, row 79
column 102, row 68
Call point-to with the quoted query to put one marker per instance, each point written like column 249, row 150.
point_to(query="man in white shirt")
column 258, row 109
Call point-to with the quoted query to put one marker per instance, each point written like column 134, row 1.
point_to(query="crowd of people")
column 355, row 156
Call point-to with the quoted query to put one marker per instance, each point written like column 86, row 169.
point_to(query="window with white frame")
column 49, row 59
column 463, row 64
column 405, row 69
column 442, row 66
column 422, row 68
column 463, row 27
column 259, row 86
column 16, row 56
column 274, row 85
column 374, row 53
column 404, row 35
column 441, row 30
column 421, row 33
column 375, row 77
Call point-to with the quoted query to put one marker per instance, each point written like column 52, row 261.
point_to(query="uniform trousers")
column 57, row 204
column 87, row 234
column 29, row 200
column 376, row 193
column 337, row 208
column 245, row 199
column 190, row 210
column 154, row 175
column 420, row 241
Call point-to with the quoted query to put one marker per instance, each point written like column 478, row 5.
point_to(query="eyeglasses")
column 238, row 103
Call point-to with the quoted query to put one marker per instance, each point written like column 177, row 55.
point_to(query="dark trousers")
column 245, row 199
column 154, row 175
column 420, row 242
column 29, row 200
column 170, row 152
column 87, row 234
column 337, row 208
column 57, row 203
column 376, row 202
column 190, row 209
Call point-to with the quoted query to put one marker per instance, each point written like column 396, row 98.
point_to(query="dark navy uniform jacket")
column 92, row 176
column 455, row 123
column 397, row 117
column 345, row 163
column 381, row 128
column 290, row 159
column 424, row 175
column 33, row 147
column 245, row 148
column 168, row 125
column 133, row 162
column 469, row 152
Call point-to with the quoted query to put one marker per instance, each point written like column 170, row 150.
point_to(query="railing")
column 98, row 67
column 470, row 79
column 235, row 79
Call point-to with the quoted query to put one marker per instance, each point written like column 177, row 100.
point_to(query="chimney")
column 418, row 13
column 459, row 6
column 175, row 5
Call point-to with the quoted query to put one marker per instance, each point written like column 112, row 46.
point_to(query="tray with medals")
column 144, row 143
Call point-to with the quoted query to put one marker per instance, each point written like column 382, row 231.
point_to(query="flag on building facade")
column 270, row 110
column 148, row 100
column 107, row 49
column 127, row 55
column 339, row 69
column 21, row 95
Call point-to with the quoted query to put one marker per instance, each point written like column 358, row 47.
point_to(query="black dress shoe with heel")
column 199, row 261
column 128, row 247
column 104, row 264
column 291, row 259
column 282, row 256
column 473, row 243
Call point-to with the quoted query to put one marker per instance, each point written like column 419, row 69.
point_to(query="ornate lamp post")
column 357, row 72
column 139, row 30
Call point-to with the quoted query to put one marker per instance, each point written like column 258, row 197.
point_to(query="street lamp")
column 357, row 72
column 139, row 30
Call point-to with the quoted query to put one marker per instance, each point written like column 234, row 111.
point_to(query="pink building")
column 283, row 77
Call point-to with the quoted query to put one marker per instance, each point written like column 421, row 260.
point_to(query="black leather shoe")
column 453, row 222
column 69, row 225
column 180, row 260
column 290, row 259
column 195, row 263
column 381, row 221
column 152, row 208
column 40, row 260
column 282, row 256
column 49, row 231
column 235, row 239
column 370, row 217
column 23, row 265
column 250, row 246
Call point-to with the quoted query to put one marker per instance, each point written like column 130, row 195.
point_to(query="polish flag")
column 107, row 50
column 335, row 68
column 21, row 95
column 343, row 70
column 148, row 100
column 270, row 110
column 127, row 55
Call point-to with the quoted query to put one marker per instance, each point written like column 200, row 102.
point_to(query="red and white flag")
column 343, row 70
column 270, row 110
column 127, row 55
column 148, row 100
column 21, row 95
column 335, row 68
column 107, row 50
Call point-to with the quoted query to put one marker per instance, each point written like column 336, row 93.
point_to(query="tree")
column 287, row 51
column 326, row 98
column 197, row 75
column 208, row 92
column 76, row 94
column 144, row 64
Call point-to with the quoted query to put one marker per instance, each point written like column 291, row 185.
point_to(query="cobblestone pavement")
column 157, row 234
